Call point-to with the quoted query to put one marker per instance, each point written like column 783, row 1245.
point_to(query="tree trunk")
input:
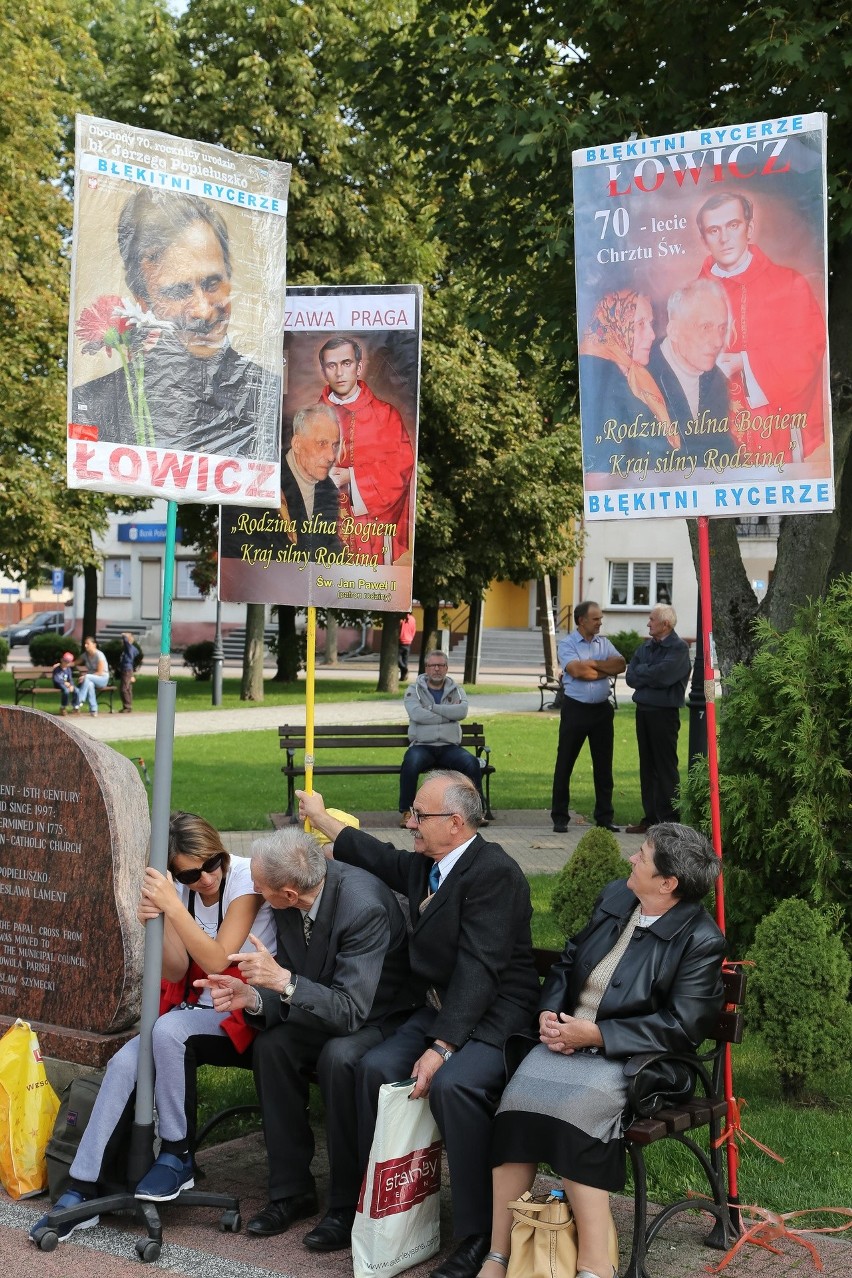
column 735, row 604
column 474, row 641
column 287, row 656
column 331, row 631
column 90, row 601
column 429, row 641
column 389, row 654
column 251, row 688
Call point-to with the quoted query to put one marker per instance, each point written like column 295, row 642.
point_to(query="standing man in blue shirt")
column 659, row 671
column 588, row 662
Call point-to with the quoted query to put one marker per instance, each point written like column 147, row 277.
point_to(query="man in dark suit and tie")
column 471, row 959
column 338, row 984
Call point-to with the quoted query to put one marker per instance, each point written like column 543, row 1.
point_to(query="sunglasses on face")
column 189, row 877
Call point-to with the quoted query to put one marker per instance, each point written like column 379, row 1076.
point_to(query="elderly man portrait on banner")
column 201, row 395
column 684, row 366
column 472, row 962
column 644, row 975
column 376, row 461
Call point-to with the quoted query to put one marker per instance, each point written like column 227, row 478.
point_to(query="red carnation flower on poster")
column 117, row 324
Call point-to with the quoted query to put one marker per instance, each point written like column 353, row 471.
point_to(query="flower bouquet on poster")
column 701, row 309
column 178, row 274
column 341, row 533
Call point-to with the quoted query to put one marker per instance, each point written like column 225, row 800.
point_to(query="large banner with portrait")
column 341, row 533
column 177, row 317
column 701, row 309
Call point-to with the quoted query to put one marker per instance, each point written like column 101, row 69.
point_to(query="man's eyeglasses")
column 188, row 877
column 419, row 817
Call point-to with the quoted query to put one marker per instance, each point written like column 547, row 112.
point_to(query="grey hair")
column 686, row 855
column 682, row 297
column 461, row 795
column 289, row 858
column 303, row 415
column 666, row 613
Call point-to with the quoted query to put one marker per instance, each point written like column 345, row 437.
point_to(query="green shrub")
column 785, row 762
column 4, row 653
column 112, row 649
column 45, row 650
column 596, row 862
column 799, row 993
column 199, row 658
column 626, row 642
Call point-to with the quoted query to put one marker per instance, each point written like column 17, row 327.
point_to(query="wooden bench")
column 706, row 1108
column 550, row 685
column 380, row 736
column 35, row 681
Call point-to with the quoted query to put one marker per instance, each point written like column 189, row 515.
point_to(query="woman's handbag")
column 544, row 1238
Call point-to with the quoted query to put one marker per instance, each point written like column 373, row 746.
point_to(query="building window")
column 117, row 578
column 639, row 583
column 185, row 587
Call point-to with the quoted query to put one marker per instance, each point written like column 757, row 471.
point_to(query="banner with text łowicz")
column 701, row 309
column 177, row 317
column 341, row 532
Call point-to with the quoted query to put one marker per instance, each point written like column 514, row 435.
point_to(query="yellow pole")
column 310, row 675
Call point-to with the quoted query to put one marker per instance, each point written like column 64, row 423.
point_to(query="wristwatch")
column 289, row 990
column 445, row 1053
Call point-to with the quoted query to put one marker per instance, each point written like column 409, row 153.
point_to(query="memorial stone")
column 74, row 834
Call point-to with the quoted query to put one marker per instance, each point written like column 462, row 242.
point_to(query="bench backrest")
column 32, row 672
column 357, row 737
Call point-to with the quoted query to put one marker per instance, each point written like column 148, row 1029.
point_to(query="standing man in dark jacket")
column 126, row 666
column 471, row 956
column 658, row 671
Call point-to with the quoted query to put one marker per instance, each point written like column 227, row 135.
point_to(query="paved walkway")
column 195, row 1247
column 142, row 725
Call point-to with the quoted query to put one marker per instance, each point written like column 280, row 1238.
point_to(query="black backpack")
column 75, row 1110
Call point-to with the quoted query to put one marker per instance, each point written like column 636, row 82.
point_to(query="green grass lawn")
column 193, row 694
column 234, row 779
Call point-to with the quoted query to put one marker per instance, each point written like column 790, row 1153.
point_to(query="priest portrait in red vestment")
column 376, row 459
column 775, row 352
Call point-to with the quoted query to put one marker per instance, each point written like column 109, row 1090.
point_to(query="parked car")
column 40, row 623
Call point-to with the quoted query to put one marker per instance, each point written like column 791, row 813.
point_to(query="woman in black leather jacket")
column 644, row 975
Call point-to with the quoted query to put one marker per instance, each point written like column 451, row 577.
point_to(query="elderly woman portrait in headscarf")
column 616, row 386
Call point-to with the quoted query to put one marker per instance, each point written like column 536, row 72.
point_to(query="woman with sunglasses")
column 209, row 908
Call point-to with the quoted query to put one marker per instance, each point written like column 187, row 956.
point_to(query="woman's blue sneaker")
column 71, row 1198
column 166, row 1179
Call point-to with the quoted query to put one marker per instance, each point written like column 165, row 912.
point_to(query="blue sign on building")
column 146, row 533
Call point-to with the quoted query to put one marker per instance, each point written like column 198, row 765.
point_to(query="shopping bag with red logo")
column 28, row 1106
column 396, row 1224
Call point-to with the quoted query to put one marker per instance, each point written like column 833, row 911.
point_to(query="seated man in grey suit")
column 471, row 957
column 337, row 985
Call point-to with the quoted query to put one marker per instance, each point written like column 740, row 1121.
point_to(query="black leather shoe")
column 466, row 1260
column 614, row 829
column 560, row 827
column 279, row 1215
column 334, row 1232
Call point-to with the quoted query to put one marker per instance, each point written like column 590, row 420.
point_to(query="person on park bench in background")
column 472, row 962
column 435, row 705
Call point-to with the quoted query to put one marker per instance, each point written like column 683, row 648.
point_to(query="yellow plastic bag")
column 28, row 1106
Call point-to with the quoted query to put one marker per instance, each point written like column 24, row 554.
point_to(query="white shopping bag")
column 396, row 1224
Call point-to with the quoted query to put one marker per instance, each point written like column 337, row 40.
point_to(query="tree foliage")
column 45, row 52
column 597, row 860
column 494, row 96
